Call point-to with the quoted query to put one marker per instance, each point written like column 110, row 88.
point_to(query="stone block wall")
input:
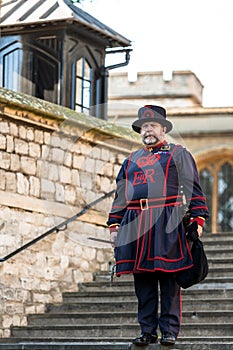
column 53, row 162
column 183, row 89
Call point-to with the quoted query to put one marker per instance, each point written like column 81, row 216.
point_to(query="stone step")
column 210, row 329
column 217, row 280
column 205, row 344
column 220, row 262
column 215, row 274
column 223, row 265
column 96, row 296
column 217, row 243
column 116, row 340
column 200, row 291
column 107, row 317
column 222, row 251
column 226, row 271
column 218, row 237
column 219, row 253
column 101, row 316
column 66, row 346
column 113, row 330
column 131, row 305
column 106, row 277
column 83, row 318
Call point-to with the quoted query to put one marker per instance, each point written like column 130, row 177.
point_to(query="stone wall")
column 53, row 162
column 184, row 89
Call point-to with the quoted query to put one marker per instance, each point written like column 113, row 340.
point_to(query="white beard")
column 150, row 140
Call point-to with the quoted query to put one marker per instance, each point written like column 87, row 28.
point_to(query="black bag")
column 200, row 268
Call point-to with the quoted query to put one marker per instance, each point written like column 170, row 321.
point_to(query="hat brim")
column 164, row 122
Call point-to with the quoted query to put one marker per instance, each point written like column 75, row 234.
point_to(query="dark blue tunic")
column 148, row 207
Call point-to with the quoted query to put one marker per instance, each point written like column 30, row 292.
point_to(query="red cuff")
column 112, row 228
column 200, row 220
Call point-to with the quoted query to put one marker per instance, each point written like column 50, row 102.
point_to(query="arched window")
column 225, row 198
column 206, row 180
column 82, row 88
column 12, row 66
column 217, row 183
column 29, row 69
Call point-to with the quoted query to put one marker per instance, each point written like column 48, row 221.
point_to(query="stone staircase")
column 101, row 316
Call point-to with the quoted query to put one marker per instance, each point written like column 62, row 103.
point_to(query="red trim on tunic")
column 180, row 308
column 160, row 269
column 167, row 170
column 139, row 270
column 157, row 206
column 166, row 259
column 142, row 246
column 138, row 239
column 150, row 236
column 126, row 272
column 155, row 199
column 199, row 207
column 197, row 197
column 115, row 216
column 147, row 148
column 126, row 177
column 118, row 206
column 124, row 261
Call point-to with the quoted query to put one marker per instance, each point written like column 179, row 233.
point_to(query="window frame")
column 82, row 79
column 214, row 165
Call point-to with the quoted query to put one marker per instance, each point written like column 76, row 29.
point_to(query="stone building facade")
column 53, row 161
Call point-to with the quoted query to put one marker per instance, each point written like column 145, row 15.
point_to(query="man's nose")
column 149, row 127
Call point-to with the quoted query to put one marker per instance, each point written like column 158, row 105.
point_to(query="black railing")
column 61, row 227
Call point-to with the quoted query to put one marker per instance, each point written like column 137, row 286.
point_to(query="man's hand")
column 113, row 237
column 199, row 230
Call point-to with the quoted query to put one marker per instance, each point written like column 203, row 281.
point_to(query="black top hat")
column 151, row 113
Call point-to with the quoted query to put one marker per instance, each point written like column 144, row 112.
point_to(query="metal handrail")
column 61, row 227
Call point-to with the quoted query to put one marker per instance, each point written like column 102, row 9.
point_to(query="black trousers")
column 147, row 291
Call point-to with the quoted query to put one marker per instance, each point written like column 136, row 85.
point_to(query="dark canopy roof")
column 15, row 13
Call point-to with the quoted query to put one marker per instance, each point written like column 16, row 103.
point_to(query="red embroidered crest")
column 148, row 113
column 148, row 161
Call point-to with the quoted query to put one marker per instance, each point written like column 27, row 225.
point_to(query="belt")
column 147, row 203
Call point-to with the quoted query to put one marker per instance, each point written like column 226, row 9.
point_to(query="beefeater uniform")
column 148, row 207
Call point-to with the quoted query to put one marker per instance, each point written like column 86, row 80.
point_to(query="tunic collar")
column 155, row 148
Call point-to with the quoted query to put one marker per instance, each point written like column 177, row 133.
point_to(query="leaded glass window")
column 225, row 198
column 83, row 86
column 206, row 180
column 217, row 184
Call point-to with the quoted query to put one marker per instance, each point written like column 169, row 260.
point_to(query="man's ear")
column 165, row 129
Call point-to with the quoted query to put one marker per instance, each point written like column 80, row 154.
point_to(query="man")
column 146, row 224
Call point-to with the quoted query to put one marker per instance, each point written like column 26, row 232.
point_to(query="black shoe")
column 145, row 339
column 168, row 339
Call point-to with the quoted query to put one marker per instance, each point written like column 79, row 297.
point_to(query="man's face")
column 152, row 133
